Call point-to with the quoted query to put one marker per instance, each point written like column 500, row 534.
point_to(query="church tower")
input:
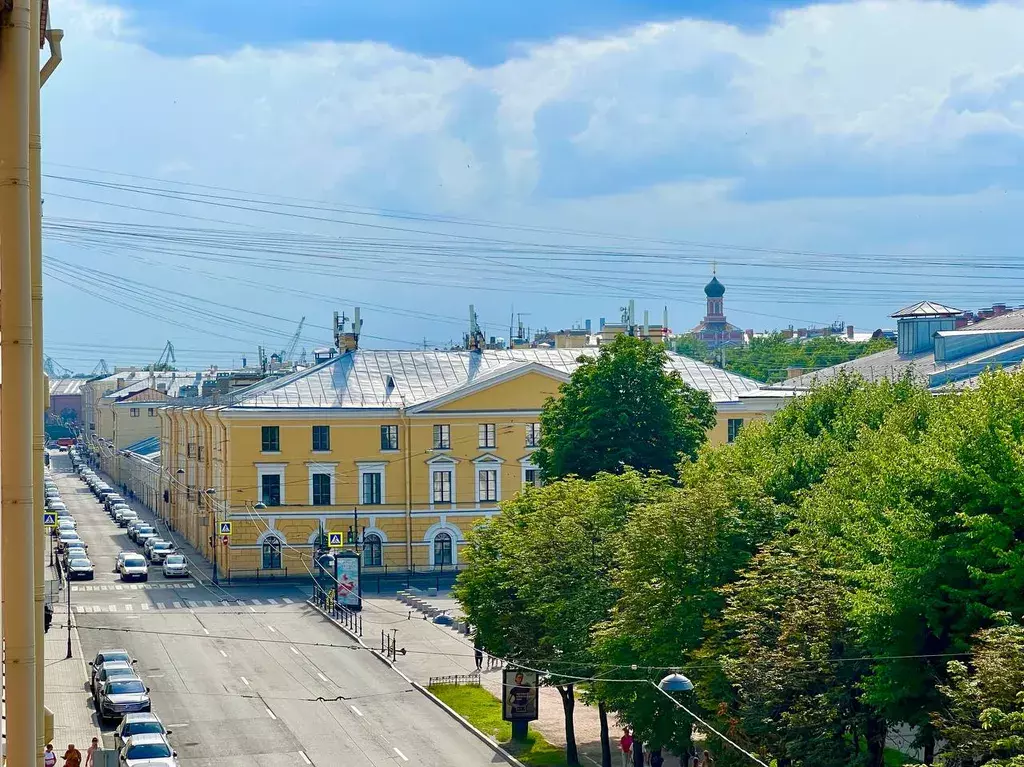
column 714, row 291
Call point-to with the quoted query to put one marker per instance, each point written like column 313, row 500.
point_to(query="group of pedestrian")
column 72, row 757
column 654, row 757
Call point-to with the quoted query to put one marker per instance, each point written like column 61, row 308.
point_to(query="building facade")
column 715, row 330
column 404, row 450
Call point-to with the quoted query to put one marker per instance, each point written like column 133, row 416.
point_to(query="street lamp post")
column 69, row 620
column 676, row 682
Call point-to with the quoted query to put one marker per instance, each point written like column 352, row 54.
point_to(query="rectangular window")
column 270, row 492
column 133, row 412
column 533, row 435
column 442, row 481
column 322, row 438
column 152, row 412
column 188, row 450
column 488, row 434
column 389, row 438
column 734, row 427
column 271, row 439
column 188, row 493
column 487, row 482
column 321, row 490
column 371, row 492
column 199, row 452
column 532, row 477
column 442, row 436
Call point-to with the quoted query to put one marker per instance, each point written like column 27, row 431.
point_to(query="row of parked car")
column 119, row 693
column 73, row 551
column 131, row 565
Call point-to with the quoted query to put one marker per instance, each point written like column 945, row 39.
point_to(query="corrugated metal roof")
column 174, row 380
column 1009, row 321
column 66, row 387
column 927, row 309
column 146, row 446
column 360, row 379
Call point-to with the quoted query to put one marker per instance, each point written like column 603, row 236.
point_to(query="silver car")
column 159, row 551
column 149, row 750
column 175, row 566
column 119, row 696
column 114, row 669
column 134, row 567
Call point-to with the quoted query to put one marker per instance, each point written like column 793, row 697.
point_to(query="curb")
column 466, row 725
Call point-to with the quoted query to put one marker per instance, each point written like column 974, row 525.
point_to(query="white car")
column 175, row 566
column 133, row 567
column 148, row 749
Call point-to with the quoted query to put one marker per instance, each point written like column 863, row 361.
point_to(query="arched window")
column 443, row 549
column 373, row 555
column 272, row 553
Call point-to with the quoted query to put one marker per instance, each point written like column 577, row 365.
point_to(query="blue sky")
column 483, row 33
column 836, row 160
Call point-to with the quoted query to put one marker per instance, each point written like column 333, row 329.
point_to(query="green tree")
column 622, row 409
column 694, row 348
column 767, row 358
column 982, row 721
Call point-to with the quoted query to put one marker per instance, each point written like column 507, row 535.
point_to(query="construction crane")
column 100, row 369
column 288, row 355
column 54, row 369
column 165, row 359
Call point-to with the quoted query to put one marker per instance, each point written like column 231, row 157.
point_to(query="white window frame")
column 730, row 435
column 480, row 472
column 373, row 467
column 446, row 430
column 487, row 463
column 442, row 463
column 487, row 436
column 444, row 526
column 317, row 467
column 271, row 469
column 526, row 464
column 389, row 427
column 532, row 427
column 362, row 548
column 134, row 412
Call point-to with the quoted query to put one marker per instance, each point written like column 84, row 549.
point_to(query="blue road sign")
column 225, row 528
column 49, row 519
column 335, row 540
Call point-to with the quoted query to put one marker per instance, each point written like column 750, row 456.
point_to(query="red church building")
column 714, row 329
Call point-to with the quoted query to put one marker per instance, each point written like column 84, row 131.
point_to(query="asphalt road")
column 251, row 675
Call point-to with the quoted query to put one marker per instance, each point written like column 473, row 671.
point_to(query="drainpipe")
column 17, row 515
column 408, row 487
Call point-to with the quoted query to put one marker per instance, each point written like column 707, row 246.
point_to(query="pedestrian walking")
column 72, row 757
column 657, row 760
column 626, row 745
column 478, row 653
column 90, row 754
column 49, row 757
column 707, row 760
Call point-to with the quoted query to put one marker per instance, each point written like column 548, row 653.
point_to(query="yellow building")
column 410, row 448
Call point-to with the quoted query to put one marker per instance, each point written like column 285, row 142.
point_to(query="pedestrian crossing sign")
column 49, row 519
column 335, row 540
column 225, row 528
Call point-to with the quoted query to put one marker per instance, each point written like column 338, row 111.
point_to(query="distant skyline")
column 837, row 161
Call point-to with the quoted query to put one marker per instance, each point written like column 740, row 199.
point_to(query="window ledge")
column 390, row 450
column 320, row 452
column 270, row 452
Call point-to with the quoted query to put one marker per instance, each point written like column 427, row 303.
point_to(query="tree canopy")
column 622, row 409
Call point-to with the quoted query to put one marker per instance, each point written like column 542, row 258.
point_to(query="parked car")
column 142, row 723
column 115, row 669
column 117, row 697
column 159, row 551
column 64, row 524
column 175, row 566
column 69, row 538
column 134, row 567
column 56, row 505
column 104, row 491
column 80, row 568
column 143, row 533
column 63, row 514
column 121, row 506
column 132, row 526
column 74, row 552
column 120, row 558
column 125, row 516
column 105, row 656
column 148, row 750
column 112, row 499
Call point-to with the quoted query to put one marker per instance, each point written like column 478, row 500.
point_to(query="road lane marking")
column 176, row 604
column 294, row 650
column 223, row 653
column 79, row 608
column 256, row 602
column 95, row 608
column 206, row 630
column 112, row 608
column 128, row 608
column 161, row 606
column 118, row 586
column 271, row 713
column 207, row 603
column 304, row 757
column 145, row 605
column 287, row 601
column 245, row 681
column 358, row 712
column 272, row 629
column 271, row 601
column 252, row 610
column 322, row 677
column 404, row 757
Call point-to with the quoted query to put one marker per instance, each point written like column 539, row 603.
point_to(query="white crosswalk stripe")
column 287, row 601
column 187, row 604
column 145, row 605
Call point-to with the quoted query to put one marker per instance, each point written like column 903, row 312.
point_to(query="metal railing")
column 344, row 615
column 258, row 574
column 457, row 680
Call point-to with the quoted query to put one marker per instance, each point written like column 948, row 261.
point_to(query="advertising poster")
column 346, row 573
column 519, row 695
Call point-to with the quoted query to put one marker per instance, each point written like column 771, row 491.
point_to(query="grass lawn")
column 483, row 711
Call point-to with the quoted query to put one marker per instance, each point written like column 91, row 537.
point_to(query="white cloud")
column 668, row 129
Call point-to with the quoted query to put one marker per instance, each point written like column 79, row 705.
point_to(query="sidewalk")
column 66, row 683
column 436, row 650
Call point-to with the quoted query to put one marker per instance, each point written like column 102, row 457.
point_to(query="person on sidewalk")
column 72, row 757
column 89, row 755
column 626, row 744
column 478, row 653
column 49, row 758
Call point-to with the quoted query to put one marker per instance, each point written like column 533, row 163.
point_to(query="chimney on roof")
column 347, row 340
column 475, row 340
column 849, row 332
column 647, row 324
column 794, row 372
column 664, row 325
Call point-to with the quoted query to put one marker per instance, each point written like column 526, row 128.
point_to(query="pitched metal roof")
column 1009, row 321
column 63, row 387
column 139, row 380
column 377, row 379
column 146, row 446
column 927, row 309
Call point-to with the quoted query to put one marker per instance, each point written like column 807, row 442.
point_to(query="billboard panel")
column 346, row 574
column 519, row 695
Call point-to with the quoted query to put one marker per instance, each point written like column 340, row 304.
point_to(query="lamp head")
column 675, row 682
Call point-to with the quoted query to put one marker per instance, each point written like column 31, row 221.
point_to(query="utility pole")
column 18, row 56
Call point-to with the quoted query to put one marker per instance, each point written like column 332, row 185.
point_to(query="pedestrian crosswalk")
column 131, row 586
column 183, row 604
